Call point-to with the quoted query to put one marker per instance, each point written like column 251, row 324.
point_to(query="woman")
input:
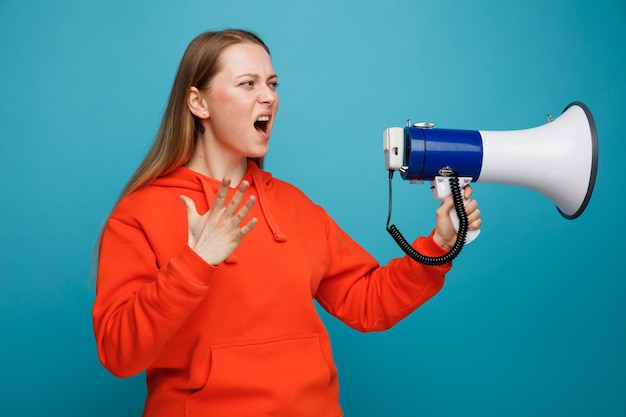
column 213, row 295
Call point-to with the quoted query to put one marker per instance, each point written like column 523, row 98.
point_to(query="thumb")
column 190, row 206
column 446, row 205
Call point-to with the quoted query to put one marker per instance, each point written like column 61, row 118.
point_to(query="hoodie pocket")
column 277, row 377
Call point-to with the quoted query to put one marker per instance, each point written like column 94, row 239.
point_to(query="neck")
column 217, row 165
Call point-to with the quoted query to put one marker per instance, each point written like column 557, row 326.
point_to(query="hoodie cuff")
column 428, row 247
column 193, row 267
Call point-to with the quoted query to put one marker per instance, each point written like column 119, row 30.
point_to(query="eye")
column 247, row 83
column 273, row 85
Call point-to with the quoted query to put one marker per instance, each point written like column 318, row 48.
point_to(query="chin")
column 259, row 153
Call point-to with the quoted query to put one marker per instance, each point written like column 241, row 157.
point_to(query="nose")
column 267, row 95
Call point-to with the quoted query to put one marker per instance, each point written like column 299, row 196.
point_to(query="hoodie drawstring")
column 257, row 178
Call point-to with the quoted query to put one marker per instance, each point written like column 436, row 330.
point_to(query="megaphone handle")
column 441, row 190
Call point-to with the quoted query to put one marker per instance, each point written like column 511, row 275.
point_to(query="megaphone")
column 558, row 159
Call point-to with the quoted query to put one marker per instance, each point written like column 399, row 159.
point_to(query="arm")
column 138, row 307
column 371, row 298
column 368, row 297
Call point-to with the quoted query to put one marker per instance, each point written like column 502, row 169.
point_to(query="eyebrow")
column 256, row 76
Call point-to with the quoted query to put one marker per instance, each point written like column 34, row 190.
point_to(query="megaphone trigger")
column 440, row 187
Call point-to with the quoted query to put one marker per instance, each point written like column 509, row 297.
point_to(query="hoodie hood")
column 260, row 180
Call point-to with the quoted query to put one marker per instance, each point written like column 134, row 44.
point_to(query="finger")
column 475, row 224
column 473, row 215
column 245, row 229
column 245, row 209
column 238, row 197
column 471, row 206
column 222, row 193
column 474, row 220
column 467, row 192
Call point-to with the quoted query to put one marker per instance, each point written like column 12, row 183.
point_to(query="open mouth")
column 261, row 124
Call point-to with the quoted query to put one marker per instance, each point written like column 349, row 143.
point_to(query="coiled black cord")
column 461, row 233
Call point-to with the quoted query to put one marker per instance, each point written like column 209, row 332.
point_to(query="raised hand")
column 217, row 233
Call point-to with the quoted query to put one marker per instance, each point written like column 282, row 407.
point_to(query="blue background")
column 531, row 320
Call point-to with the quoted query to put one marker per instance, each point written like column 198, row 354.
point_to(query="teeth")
column 263, row 119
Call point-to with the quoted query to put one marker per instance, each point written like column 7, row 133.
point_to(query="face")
column 241, row 102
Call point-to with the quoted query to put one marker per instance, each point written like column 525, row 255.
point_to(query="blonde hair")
column 175, row 140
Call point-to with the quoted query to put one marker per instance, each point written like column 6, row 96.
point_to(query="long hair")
column 175, row 140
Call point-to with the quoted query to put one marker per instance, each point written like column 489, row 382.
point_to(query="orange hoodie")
column 243, row 338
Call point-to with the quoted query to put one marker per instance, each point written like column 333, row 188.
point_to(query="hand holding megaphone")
column 440, row 187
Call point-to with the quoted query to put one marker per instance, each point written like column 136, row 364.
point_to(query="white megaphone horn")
column 558, row 159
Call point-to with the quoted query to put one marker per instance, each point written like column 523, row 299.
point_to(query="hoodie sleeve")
column 139, row 307
column 368, row 297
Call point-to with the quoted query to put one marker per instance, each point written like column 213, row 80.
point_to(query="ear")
column 197, row 104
